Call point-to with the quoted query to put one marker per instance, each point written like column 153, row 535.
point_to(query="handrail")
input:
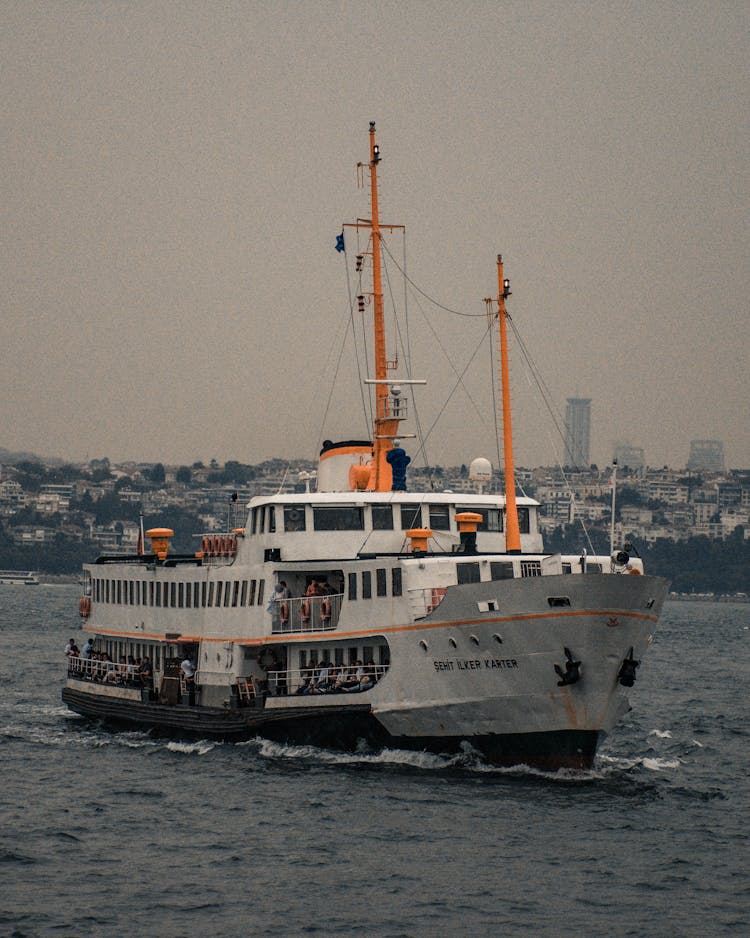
column 341, row 679
column 306, row 613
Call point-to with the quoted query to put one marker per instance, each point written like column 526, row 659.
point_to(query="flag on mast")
column 140, row 536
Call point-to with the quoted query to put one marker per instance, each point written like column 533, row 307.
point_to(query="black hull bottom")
column 341, row 728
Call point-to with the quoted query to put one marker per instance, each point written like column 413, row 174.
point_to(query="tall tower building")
column 578, row 432
column 706, row 455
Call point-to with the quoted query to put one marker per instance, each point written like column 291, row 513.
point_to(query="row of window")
column 364, row 579
column 178, row 595
column 383, row 518
column 367, row 654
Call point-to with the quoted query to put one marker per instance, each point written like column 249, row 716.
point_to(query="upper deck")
column 341, row 525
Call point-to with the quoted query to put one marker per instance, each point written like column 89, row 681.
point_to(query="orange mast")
column 512, row 530
column 385, row 425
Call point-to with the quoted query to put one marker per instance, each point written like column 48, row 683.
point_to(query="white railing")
column 107, row 672
column 306, row 613
column 339, row 680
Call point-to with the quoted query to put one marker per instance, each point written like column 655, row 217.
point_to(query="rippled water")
column 110, row 831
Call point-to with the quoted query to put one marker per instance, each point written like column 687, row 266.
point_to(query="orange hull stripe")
column 391, row 629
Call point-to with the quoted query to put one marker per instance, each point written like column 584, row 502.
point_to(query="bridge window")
column 352, row 586
column 439, row 517
column 251, row 593
column 492, row 518
column 342, row 518
column 382, row 517
column 294, row 517
column 523, row 520
column 411, row 517
column 181, row 595
column 366, row 584
column 381, row 583
column 396, row 581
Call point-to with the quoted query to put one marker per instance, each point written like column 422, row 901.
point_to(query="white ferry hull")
column 458, row 679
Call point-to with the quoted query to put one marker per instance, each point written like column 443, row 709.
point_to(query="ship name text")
column 475, row 664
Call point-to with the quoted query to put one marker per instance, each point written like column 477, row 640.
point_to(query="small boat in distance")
column 18, row 578
column 360, row 610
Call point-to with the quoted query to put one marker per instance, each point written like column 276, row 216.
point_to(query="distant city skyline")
column 171, row 198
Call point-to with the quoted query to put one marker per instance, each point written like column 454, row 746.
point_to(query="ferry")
column 359, row 612
column 18, row 578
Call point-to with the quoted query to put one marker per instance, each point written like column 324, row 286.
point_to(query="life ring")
column 636, row 571
column 84, row 607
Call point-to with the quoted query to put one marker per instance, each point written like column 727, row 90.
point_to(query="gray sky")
column 174, row 176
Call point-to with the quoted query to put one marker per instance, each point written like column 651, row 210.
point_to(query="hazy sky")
column 174, row 175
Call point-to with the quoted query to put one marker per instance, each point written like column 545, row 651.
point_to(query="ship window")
column 235, row 592
column 339, row 519
column 151, row 590
column 492, row 518
column 294, row 517
column 261, row 519
column 131, row 593
column 180, row 595
column 219, row 588
column 271, row 519
column 137, row 592
column 531, row 568
column 366, row 584
column 396, row 581
column 119, row 592
column 367, row 654
column 381, row 582
column 352, row 586
column 385, row 654
column 382, row 518
column 567, row 568
column 254, row 521
column 468, row 572
column 523, row 520
column 188, row 595
column 196, row 594
column 338, row 656
column 173, row 595
column 203, row 595
column 227, row 592
column 411, row 517
column 261, row 585
column 501, row 570
column 439, row 518
column 243, row 594
column 251, row 594
column 157, row 594
column 353, row 656
column 302, row 658
column 210, row 601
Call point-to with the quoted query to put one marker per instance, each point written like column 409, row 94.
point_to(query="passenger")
column 147, row 673
column 306, row 675
column 87, row 648
column 108, row 670
column 188, row 672
column 278, row 605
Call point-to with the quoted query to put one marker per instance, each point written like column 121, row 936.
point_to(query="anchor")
column 572, row 672
column 627, row 672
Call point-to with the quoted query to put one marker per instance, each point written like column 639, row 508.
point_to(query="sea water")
column 120, row 833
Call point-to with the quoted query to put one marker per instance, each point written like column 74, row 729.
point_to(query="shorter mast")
column 512, row 530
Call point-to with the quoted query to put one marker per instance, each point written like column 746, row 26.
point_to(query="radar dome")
column 480, row 470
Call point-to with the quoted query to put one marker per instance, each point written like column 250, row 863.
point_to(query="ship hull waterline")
column 344, row 728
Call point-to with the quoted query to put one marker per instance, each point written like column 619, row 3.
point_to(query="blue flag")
column 340, row 242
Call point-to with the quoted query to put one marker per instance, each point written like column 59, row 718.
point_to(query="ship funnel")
column 345, row 466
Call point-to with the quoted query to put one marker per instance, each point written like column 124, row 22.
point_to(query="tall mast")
column 385, row 425
column 512, row 530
